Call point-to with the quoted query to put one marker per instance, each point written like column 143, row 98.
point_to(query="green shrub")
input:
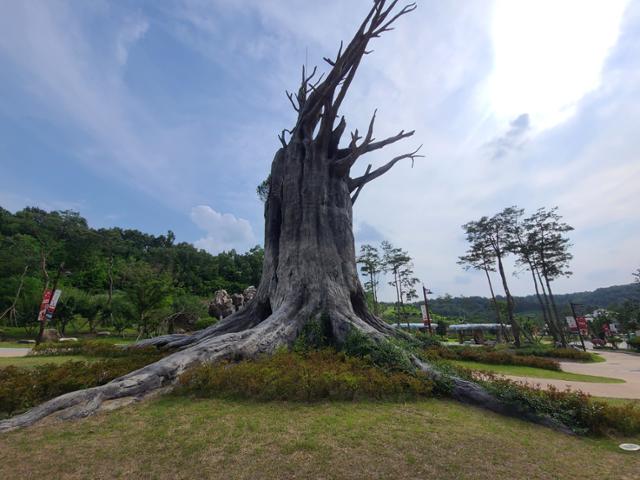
column 566, row 353
column 575, row 409
column 23, row 388
column 385, row 354
column 635, row 343
column 315, row 334
column 428, row 340
column 315, row 375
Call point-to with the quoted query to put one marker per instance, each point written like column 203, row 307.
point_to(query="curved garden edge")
column 618, row 365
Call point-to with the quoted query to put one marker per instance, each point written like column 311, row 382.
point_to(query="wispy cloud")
column 512, row 140
column 132, row 31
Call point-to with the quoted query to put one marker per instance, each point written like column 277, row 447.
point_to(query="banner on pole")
column 423, row 308
column 51, row 308
column 46, row 298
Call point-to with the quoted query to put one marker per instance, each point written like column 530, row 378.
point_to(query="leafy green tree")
column 148, row 291
column 480, row 256
column 523, row 245
column 371, row 266
column 548, row 248
column 398, row 262
column 495, row 233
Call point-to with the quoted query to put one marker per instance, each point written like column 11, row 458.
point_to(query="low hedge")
column 22, row 388
column 309, row 376
column 635, row 343
column 576, row 409
column 565, row 353
column 491, row 356
column 90, row 348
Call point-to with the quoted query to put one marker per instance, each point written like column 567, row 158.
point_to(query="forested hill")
column 480, row 307
column 41, row 241
column 604, row 297
column 97, row 259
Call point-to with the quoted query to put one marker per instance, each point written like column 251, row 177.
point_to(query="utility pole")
column 575, row 318
column 425, row 291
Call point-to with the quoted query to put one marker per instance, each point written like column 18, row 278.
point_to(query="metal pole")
column 575, row 318
column 426, row 307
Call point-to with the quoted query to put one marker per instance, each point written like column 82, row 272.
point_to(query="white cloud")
column 224, row 231
column 131, row 32
column 548, row 54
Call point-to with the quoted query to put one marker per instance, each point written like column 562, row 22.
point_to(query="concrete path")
column 14, row 352
column 618, row 365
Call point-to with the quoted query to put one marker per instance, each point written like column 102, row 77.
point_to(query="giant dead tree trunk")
column 309, row 268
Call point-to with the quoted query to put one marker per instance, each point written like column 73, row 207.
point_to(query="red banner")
column 582, row 324
column 46, row 298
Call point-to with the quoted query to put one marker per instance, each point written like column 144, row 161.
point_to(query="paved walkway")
column 14, row 352
column 618, row 365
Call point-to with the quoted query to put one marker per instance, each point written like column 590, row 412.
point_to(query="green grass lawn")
column 521, row 371
column 182, row 438
column 14, row 345
column 38, row 360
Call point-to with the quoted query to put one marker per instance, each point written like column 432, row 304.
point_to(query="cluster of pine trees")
column 109, row 277
column 540, row 245
column 398, row 265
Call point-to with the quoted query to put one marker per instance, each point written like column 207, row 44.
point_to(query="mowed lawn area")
column 522, row 371
column 182, row 438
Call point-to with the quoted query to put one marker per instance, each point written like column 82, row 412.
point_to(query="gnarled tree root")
column 472, row 393
column 266, row 337
column 223, row 343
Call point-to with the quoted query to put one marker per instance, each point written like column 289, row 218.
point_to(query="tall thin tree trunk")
column 549, row 321
column 514, row 323
column 110, row 290
column 496, row 306
column 374, row 296
column 563, row 339
column 11, row 310
column 551, row 312
column 396, row 283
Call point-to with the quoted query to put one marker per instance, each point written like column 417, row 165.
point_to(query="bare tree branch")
column 359, row 189
column 367, row 177
column 290, row 97
column 348, row 157
column 343, row 70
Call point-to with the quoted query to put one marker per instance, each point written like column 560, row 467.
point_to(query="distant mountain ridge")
column 480, row 308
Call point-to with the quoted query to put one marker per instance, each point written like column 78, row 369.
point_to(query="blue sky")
column 164, row 115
